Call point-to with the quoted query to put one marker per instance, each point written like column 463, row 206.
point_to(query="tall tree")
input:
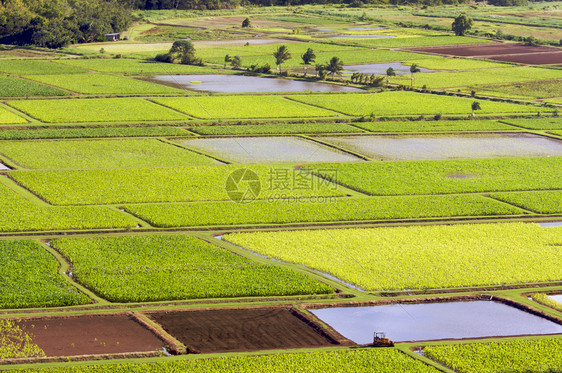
column 335, row 66
column 461, row 24
column 281, row 55
column 389, row 72
column 184, row 51
column 475, row 106
column 414, row 69
column 308, row 58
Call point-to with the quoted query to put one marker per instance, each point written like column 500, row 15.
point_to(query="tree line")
column 57, row 23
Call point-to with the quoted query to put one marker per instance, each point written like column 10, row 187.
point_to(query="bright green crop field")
column 447, row 63
column 419, row 257
column 141, row 185
column 13, row 87
column 349, row 57
column 435, row 126
column 117, row 153
column 534, row 88
column 7, row 117
column 541, row 355
column 236, row 107
column 278, row 128
column 448, row 176
column 383, row 360
column 318, row 210
column 152, row 268
column 543, row 202
column 414, row 41
column 30, row 278
column 24, row 67
column 136, row 67
column 20, row 214
column 96, row 110
column 408, row 103
column 553, row 123
column 77, row 133
column 97, row 83
column 483, row 76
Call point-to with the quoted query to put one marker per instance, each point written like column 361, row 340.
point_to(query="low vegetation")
column 419, row 257
column 30, row 278
column 152, row 268
column 528, row 355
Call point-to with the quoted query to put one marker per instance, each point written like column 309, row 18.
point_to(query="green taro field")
column 116, row 203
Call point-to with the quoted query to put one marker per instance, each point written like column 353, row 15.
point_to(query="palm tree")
column 414, row 69
column 389, row 72
column 475, row 106
column 281, row 55
column 307, row 58
column 335, row 66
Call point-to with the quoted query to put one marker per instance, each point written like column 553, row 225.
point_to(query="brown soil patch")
column 90, row 335
column 222, row 330
column 532, row 58
column 494, row 49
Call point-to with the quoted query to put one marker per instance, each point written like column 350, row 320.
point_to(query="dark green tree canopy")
column 335, row 66
column 57, row 23
column 308, row 57
column 184, row 51
column 246, row 22
column 281, row 55
column 462, row 24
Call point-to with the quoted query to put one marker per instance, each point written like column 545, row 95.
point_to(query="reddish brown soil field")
column 241, row 329
column 517, row 53
column 532, row 58
column 90, row 334
column 486, row 50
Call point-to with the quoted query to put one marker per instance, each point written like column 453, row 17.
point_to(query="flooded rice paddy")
column 3, row 167
column 419, row 147
column 240, row 84
column 434, row 321
column 551, row 224
column 267, row 149
column 557, row 298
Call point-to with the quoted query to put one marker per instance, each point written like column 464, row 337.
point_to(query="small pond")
column 557, row 298
column 3, row 167
column 267, row 149
column 380, row 68
column 324, row 29
column 240, row 83
column 433, row 321
column 417, row 147
column 551, row 224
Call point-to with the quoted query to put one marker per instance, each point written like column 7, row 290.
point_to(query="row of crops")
column 253, row 107
column 160, row 267
column 535, row 355
column 108, row 207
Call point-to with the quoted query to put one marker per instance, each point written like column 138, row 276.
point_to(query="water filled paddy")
column 3, row 167
column 239, row 83
column 267, row 149
column 551, row 224
column 433, row 321
column 449, row 146
column 557, row 298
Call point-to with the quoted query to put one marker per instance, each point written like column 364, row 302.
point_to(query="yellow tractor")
column 380, row 340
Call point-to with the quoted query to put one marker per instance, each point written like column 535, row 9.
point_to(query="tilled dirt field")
column 249, row 329
column 90, row 334
column 502, row 52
